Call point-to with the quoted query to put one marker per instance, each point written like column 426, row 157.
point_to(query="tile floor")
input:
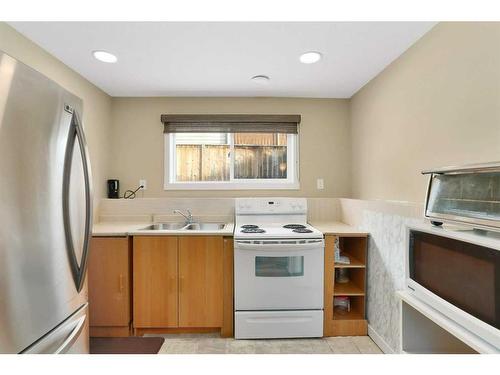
column 213, row 344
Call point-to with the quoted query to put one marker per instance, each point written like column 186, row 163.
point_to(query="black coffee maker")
column 113, row 189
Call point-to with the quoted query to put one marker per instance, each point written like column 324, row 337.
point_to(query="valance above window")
column 284, row 124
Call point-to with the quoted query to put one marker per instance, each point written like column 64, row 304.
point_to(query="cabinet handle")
column 121, row 283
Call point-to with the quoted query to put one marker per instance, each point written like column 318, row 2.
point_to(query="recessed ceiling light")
column 261, row 79
column 105, row 56
column 310, row 57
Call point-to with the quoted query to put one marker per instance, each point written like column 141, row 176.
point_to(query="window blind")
column 285, row 124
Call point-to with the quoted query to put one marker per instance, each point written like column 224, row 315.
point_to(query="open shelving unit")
column 348, row 289
column 425, row 330
column 352, row 322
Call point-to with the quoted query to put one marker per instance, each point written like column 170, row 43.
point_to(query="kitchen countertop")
column 117, row 229
column 124, row 228
column 338, row 228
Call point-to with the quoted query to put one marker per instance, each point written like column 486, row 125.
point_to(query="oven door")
column 278, row 274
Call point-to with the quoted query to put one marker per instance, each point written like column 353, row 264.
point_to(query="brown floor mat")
column 125, row 345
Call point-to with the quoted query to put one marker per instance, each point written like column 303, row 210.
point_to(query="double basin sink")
column 186, row 226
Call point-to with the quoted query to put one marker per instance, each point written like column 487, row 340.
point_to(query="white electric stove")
column 276, row 231
column 278, row 270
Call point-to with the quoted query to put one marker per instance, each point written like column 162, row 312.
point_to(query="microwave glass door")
column 465, row 197
column 463, row 274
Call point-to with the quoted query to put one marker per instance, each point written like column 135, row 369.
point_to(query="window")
column 231, row 151
column 231, row 161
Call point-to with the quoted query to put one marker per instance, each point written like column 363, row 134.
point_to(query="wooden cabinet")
column 155, row 282
column 109, row 286
column 339, row 322
column 183, row 284
column 200, row 281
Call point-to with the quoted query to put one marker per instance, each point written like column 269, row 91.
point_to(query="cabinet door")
column 109, row 281
column 155, row 282
column 201, row 281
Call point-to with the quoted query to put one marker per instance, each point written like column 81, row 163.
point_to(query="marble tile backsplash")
column 127, row 208
column 386, row 222
column 386, row 272
column 323, row 209
column 319, row 209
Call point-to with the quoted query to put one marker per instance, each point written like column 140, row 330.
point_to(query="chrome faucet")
column 188, row 217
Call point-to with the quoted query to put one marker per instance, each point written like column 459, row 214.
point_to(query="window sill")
column 232, row 186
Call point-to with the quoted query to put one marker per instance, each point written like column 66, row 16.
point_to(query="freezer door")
column 71, row 336
column 41, row 283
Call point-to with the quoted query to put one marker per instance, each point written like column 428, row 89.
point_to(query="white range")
column 278, row 270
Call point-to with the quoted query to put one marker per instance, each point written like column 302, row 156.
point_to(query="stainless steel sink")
column 184, row 226
column 165, row 226
column 205, row 226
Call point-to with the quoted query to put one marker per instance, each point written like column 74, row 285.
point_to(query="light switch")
column 320, row 184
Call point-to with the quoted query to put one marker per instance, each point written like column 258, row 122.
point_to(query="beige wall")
column 438, row 104
column 97, row 104
column 324, row 141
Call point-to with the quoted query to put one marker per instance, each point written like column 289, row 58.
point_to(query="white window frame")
column 290, row 183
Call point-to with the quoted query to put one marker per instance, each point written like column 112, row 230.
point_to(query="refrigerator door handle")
column 66, row 345
column 76, row 134
column 63, row 338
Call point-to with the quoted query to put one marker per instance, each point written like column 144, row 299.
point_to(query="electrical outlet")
column 320, row 184
column 144, row 184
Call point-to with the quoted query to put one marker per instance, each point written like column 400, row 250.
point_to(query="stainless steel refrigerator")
column 45, row 215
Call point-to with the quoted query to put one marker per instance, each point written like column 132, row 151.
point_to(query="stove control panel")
column 270, row 206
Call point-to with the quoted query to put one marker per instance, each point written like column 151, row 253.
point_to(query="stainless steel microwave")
column 466, row 195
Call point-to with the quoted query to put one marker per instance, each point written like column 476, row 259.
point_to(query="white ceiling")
column 218, row 59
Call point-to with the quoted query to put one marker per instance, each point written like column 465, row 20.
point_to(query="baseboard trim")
column 377, row 339
column 105, row 331
column 166, row 331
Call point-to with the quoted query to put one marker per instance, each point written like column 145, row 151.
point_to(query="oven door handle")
column 278, row 245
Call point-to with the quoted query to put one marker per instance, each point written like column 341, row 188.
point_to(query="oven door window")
column 279, row 266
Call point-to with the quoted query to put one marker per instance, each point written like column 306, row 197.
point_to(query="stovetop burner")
column 302, row 230
column 253, row 230
column 294, row 226
column 249, row 226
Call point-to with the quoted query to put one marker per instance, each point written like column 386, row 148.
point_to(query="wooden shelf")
column 352, row 323
column 351, row 315
column 354, row 248
column 355, row 263
column 348, row 289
